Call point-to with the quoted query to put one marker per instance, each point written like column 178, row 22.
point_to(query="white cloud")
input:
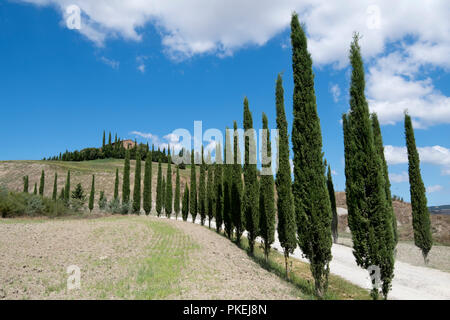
column 435, row 155
column 112, row 63
column 141, row 68
column 435, row 188
column 398, row 178
column 336, row 92
column 141, row 63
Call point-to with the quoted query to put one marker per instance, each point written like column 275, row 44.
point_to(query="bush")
column 114, row 206
column 34, row 205
column 102, row 202
column 126, row 208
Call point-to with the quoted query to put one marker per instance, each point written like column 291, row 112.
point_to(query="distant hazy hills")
column 440, row 209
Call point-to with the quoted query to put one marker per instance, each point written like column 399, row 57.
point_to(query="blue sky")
column 147, row 73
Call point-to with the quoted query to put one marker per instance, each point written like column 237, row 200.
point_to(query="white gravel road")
column 410, row 282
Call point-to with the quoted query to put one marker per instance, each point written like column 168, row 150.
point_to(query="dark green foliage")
column 420, row 213
column 126, row 179
column 266, row 194
column 102, row 201
column 163, row 194
column 35, row 189
column 92, row 195
column 176, row 201
column 285, row 206
column 62, row 194
column 168, row 195
column 103, row 141
column 25, row 184
column 378, row 140
column 227, row 182
column 137, row 185
column 334, row 221
column 202, row 191
column 251, row 188
column 116, row 185
column 148, row 184
column 78, row 198
column 236, row 188
column 67, row 188
column 210, row 194
column 55, row 187
column 312, row 202
column 218, row 188
column 185, row 208
column 193, row 190
column 369, row 218
column 159, row 190
column 42, row 183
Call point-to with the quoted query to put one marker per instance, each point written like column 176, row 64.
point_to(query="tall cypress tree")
column 266, row 194
column 193, row 190
column 185, row 208
column 202, row 191
column 42, row 184
column 126, row 179
column 312, row 202
column 159, row 190
column 168, row 194
column 103, row 141
column 116, row 185
column 210, row 194
column 137, row 185
column 285, row 206
column 251, row 189
column 163, row 194
column 369, row 218
column 227, row 181
column 236, row 188
column 25, row 184
column 420, row 212
column 387, row 184
column 218, row 188
column 176, row 202
column 55, row 187
column 334, row 221
column 92, row 195
column 148, row 184
column 35, row 188
column 67, row 188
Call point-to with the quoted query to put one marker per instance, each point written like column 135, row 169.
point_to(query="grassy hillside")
column 11, row 173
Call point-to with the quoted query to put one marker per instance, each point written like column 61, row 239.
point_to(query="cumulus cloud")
column 435, row 188
column 435, row 155
column 109, row 62
column 336, row 92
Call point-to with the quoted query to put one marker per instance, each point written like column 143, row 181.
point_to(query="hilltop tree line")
column 239, row 198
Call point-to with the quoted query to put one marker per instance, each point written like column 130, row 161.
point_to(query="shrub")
column 102, row 202
column 114, row 206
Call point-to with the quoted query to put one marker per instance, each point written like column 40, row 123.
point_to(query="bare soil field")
column 128, row 257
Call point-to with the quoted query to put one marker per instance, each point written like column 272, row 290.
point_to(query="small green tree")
column 126, row 179
column 210, row 194
column 185, row 208
column 218, row 188
column 42, row 184
column 227, row 181
column 137, row 185
column 102, row 201
column 159, row 190
column 55, row 187
column 202, row 191
column 168, row 199
column 193, row 189
column 163, row 193
column 176, row 202
column 148, row 184
column 92, row 195
column 116, row 185
column 420, row 213
column 35, row 189
column 334, row 221
column 236, row 188
column 67, row 188
column 25, row 184
column 78, row 197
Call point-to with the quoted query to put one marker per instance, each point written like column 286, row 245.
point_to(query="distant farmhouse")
column 127, row 144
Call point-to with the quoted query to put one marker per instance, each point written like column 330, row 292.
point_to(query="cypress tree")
column 42, row 184
column 109, row 138
column 420, row 213
column 227, row 181
column 116, row 185
column 67, row 188
column 103, row 141
column 387, row 184
column 137, row 185
column 334, row 221
column 163, row 194
column 210, row 194
column 202, row 191
column 35, row 188
column 25, row 184
column 312, row 202
column 218, row 188
column 168, row 194
column 62, row 194
column 55, row 187
column 285, row 206
column 148, row 184
column 92, row 195
column 159, row 190
column 251, row 198
column 185, row 208
column 176, row 202
column 369, row 218
column 126, row 179
column 236, row 188
column 193, row 190
column 266, row 194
